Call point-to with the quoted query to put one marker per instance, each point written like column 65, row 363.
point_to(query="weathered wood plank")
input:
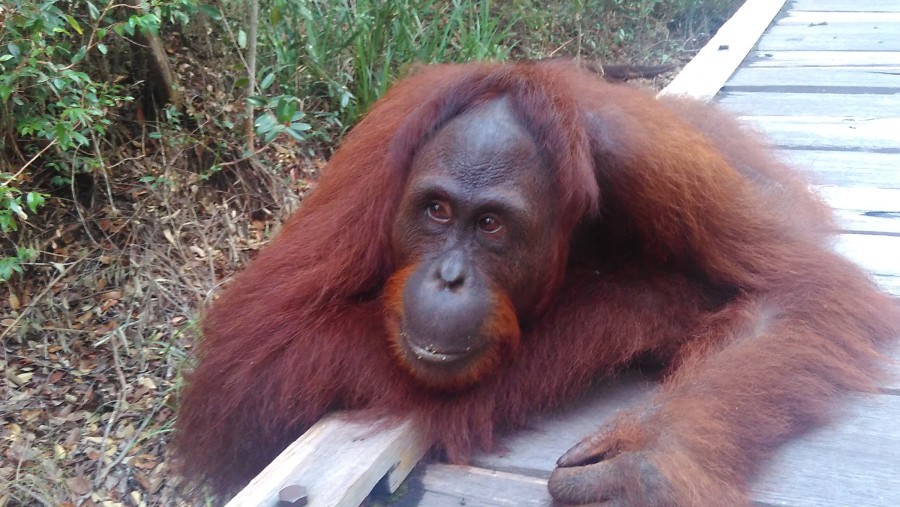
column 865, row 210
column 873, row 28
column 886, row 79
column 795, row 17
column 338, row 461
column 877, row 254
column 550, row 437
column 857, row 105
column 846, row 168
column 793, row 59
column 849, row 462
column 845, row 5
column 879, row 40
column 704, row 75
column 822, row 132
column 453, row 486
column 534, row 451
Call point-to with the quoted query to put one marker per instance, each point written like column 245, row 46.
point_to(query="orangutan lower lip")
column 429, row 353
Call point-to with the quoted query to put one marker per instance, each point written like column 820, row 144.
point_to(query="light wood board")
column 703, row 76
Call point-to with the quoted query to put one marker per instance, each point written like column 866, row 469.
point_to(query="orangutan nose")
column 451, row 270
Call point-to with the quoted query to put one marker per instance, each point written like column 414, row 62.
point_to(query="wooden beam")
column 339, row 461
column 705, row 75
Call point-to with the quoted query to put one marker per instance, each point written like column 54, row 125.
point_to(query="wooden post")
column 339, row 461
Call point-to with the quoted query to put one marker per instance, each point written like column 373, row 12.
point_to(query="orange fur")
column 682, row 238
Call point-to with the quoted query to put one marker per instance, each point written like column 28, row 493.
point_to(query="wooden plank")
column 705, row 74
column 764, row 103
column 865, row 210
column 792, row 59
column 822, row 132
column 849, row 462
column 846, row 168
column 877, row 254
column 882, row 41
column 886, row 79
column 536, row 449
column 872, row 28
column 889, row 284
column 339, row 461
column 846, row 5
column 795, row 17
column 452, row 486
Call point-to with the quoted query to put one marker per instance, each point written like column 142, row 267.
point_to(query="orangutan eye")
column 490, row 224
column 439, row 211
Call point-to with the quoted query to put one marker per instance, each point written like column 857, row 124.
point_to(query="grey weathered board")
column 849, row 169
column 833, row 36
column 865, row 210
column 794, row 59
column 850, row 462
column 788, row 103
column 833, row 133
column 882, row 79
column 845, row 5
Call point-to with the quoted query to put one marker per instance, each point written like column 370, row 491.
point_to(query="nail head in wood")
column 292, row 496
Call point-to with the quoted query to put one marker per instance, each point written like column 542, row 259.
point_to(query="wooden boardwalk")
column 823, row 81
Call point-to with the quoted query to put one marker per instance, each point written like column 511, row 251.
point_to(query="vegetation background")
column 149, row 147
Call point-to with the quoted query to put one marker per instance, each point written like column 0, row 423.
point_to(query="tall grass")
column 347, row 53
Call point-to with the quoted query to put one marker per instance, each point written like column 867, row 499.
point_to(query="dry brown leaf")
column 113, row 294
column 109, row 303
column 55, row 377
column 170, row 237
column 79, row 485
column 14, row 301
column 125, row 431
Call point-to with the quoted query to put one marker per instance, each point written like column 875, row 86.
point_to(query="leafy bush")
column 343, row 55
column 57, row 96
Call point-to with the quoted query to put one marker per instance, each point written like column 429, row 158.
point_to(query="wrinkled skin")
column 472, row 236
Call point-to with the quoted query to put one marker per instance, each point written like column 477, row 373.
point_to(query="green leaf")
column 79, row 55
column 257, row 101
column 285, row 110
column 211, row 11
column 34, row 200
column 93, row 11
column 102, row 48
column 242, row 39
column 272, row 134
column 265, row 123
column 241, row 82
column 13, row 49
column 74, row 24
column 267, row 81
column 275, row 15
column 297, row 133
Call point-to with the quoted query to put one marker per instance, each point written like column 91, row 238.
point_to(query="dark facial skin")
column 477, row 222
